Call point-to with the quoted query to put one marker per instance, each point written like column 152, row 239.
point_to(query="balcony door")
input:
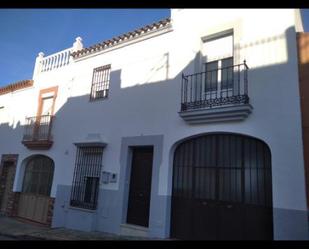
column 219, row 78
column 41, row 129
column 44, row 114
column 47, row 105
column 218, row 60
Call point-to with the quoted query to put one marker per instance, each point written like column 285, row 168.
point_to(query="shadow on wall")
column 153, row 105
column 146, row 94
column 147, row 109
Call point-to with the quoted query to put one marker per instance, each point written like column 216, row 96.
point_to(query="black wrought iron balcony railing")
column 37, row 131
column 214, row 88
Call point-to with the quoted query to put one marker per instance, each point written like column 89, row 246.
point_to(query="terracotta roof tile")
column 16, row 86
column 127, row 36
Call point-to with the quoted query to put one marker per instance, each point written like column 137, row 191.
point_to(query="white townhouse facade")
column 190, row 128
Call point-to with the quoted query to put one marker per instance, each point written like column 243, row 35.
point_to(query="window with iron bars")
column 86, row 179
column 100, row 82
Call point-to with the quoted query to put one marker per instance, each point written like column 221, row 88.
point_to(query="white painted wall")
column 144, row 97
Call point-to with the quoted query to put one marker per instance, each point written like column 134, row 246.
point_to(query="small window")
column 91, row 189
column 100, row 82
column 85, row 187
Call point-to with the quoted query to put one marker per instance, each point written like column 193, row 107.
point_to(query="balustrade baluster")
column 43, row 65
column 51, row 63
column 61, row 60
column 57, row 61
column 66, row 58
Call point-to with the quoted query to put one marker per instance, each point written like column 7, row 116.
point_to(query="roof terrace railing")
column 57, row 60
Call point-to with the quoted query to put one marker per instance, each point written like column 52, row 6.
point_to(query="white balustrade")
column 57, row 60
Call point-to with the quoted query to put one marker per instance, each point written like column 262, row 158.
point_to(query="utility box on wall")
column 108, row 177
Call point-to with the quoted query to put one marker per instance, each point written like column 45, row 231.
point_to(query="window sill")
column 98, row 99
column 82, row 209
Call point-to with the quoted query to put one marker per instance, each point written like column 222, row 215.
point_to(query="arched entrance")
column 222, row 189
column 35, row 196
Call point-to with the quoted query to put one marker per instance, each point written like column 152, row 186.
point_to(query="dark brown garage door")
column 222, row 189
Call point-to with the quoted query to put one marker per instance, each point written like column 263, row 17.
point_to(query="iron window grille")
column 100, row 82
column 85, row 187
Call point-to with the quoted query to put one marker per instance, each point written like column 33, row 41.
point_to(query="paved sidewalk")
column 21, row 230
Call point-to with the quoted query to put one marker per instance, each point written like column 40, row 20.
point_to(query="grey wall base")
column 107, row 217
column 112, row 204
column 70, row 217
column 290, row 224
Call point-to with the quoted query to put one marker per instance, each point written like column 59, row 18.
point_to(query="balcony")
column 216, row 95
column 37, row 134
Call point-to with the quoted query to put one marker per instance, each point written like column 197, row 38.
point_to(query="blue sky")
column 26, row 32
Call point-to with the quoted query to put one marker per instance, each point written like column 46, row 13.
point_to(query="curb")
column 22, row 237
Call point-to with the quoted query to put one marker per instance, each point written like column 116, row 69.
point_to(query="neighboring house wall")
column 303, row 60
column 143, row 105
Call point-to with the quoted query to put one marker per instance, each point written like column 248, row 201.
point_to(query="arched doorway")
column 35, row 196
column 222, row 189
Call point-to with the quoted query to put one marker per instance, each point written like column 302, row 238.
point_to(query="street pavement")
column 12, row 228
column 6, row 238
